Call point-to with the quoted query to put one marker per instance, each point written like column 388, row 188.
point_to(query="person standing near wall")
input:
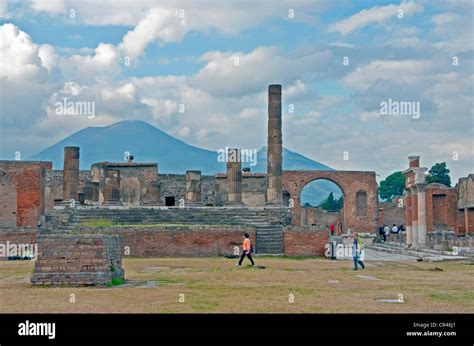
column 331, row 228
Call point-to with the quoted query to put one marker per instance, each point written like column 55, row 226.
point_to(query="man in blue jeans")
column 357, row 248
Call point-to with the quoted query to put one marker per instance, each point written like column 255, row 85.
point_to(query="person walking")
column 357, row 248
column 247, row 249
column 332, row 228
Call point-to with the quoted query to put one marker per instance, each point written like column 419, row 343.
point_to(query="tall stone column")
column 409, row 236
column 421, row 215
column 234, row 178
column 275, row 147
column 193, row 188
column 414, row 217
column 70, row 173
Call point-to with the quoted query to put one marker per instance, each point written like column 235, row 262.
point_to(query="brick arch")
column 350, row 182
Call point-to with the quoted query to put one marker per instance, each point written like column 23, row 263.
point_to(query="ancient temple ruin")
column 201, row 215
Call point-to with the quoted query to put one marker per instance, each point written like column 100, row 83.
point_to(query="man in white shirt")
column 395, row 229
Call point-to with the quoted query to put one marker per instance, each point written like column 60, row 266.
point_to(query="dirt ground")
column 286, row 285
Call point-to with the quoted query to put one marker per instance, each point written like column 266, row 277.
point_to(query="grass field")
column 215, row 285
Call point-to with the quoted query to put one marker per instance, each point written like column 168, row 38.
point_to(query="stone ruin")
column 78, row 260
column 200, row 215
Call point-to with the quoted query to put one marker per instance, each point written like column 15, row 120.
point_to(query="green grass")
column 102, row 223
column 463, row 297
column 115, row 282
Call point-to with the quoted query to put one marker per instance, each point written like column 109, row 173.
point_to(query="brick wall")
column 16, row 237
column 305, row 242
column 465, row 221
column 175, row 242
column 391, row 213
column 352, row 184
column 78, row 260
column 28, row 203
column 441, row 209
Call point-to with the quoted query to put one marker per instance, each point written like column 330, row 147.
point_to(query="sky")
column 200, row 70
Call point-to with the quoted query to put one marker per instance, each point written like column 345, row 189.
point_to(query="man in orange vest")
column 247, row 249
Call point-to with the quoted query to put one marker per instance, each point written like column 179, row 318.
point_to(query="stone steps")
column 425, row 254
column 269, row 231
column 269, row 239
column 151, row 216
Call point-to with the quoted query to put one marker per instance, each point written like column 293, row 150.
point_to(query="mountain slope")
column 150, row 144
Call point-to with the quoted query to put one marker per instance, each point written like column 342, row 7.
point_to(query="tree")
column 392, row 186
column 332, row 204
column 439, row 173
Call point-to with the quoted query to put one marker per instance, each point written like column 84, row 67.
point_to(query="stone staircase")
column 267, row 223
column 269, row 238
column 425, row 254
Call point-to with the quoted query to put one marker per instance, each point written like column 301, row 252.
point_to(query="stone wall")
column 435, row 238
column 304, row 241
column 168, row 184
column 17, row 237
column 174, row 185
column 54, row 185
column 441, row 208
column 77, row 260
column 254, row 187
column 176, row 242
column 392, row 213
column 22, row 192
column 318, row 217
column 466, row 192
column 465, row 221
column 360, row 211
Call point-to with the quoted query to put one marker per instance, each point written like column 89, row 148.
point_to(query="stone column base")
column 234, row 205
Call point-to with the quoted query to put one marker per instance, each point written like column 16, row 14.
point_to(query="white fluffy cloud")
column 374, row 15
column 19, row 56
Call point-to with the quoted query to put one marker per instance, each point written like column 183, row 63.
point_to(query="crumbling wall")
column 174, row 185
column 254, row 187
column 77, row 260
column 28, row 203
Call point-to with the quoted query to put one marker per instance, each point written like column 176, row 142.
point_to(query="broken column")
column 275, row 147
column 70, row 173
column 234, row 178
column 193, row 188
column 112, row 186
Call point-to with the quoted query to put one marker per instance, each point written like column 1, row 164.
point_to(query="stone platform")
column 77, row 260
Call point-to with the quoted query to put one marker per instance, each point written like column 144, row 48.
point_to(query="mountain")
column 150, row 144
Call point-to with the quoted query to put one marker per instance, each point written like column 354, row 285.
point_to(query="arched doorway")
column 360, row 206
column 322, row 202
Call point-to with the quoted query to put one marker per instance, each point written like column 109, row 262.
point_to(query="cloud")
column 85, row 68
column 20, row 59
column 374, row 15
column 50, row 6
column 398, row 71
column 162, row 24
